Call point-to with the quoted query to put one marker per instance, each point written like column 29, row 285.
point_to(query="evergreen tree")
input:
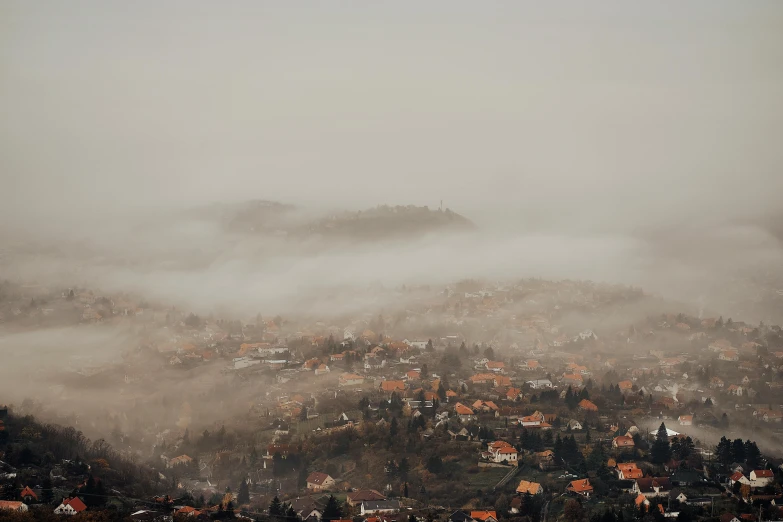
column 661, row 449
column 752, row 454
column 429, row 347
column 290, row 514
column 738, row 450
column 275, row 507
column 723, row 451
column 332, row 510
column 243, row 494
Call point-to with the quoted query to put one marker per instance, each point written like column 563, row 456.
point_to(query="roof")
column 318, row 478
column 588, row 405
column 28, row 492
column 736, row 476
column 365, row 494
column 390, row 386
column 764, row 473
column 483, row 515
column 495, row 364
column 75, row 503
column 461, row 409
column 528, row 487
column 377, row 505
column 648, row 484
column 14, row 505
column 623, row 440
column 580, row 485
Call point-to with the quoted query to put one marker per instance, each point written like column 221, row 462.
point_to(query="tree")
column 738, row 450
column 332, row 510
column 290, row 514
column 47, row 494
column 723, row 451
column 752, row 454
column 434, row 464
column 502, row 505
column 275, row 507
column 243, row 495
column 573, row 511
column 661, row 449
column 429, row 347
column 489, row 353
column 441, row 391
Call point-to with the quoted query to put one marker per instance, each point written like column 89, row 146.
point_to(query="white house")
column 760, row 478
column 70, row 506
column 540, row 384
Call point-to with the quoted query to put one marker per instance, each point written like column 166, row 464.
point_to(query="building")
column 318, row 481
column 363, row 495
column 540, row 384
column 760, row 478
column 534, row 488
column 13, row 505
column 350, row 379
column 70, row 506
column 369, row 507
column 484, row 516
column 685, row 420
column 501, row 451
column 587, row 405
column 623, row 441
column 580, row 487
column 629, row 471
column 463, row 412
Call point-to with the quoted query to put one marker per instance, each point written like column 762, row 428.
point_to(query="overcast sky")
column 659, row 108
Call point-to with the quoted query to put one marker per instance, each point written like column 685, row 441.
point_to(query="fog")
column 616, row 142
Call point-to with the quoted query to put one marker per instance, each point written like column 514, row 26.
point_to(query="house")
column 379, row 506
column 580, row 487
column 729, row 355
column 728, row 517
column 536, row 419
column 495, row 366
column 640, row 501
column 623, row 441
column 574, row 425
column 13, row 505
column 760, row 478
column 653, row 486
column 463, row 412
column 686, row 477
column 179, row 461
column 350, row 379
column 484, row 516
column 502, row 381
column 392, row 386
column 501, row 451
column 685, row 420
column 363, row 495
column 460, row 516
column 531, row 365
column 70, row 506
column 322, row 369
column 629, row 471
column 188, row 511
column 738, row 476
column 513, row 394
column 317, row 481
column 540, row 384
column 716, row 382
column 572, row 379
column 625, row 386
column 587, row 405
column 533, row 488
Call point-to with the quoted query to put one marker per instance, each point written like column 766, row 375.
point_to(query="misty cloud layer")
column 634, row 144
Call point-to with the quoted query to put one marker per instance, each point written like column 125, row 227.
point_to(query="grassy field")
column 486, row 478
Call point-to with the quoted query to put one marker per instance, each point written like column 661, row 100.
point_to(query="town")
column 533, row 400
